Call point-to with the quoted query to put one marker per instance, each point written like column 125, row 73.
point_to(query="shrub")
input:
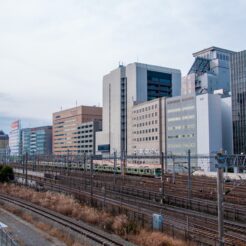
column 6, row 174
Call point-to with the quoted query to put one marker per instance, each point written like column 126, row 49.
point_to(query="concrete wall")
column 209, row 128
column 209, row 123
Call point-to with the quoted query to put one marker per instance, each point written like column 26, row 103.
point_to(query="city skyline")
column 54, row 54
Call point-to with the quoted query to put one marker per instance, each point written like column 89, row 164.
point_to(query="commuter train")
column 146, row 171
column 107, row 167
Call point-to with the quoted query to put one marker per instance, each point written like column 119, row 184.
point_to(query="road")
column 25, row 233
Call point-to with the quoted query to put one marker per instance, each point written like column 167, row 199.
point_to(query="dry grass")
column 146, row 238
column 68, row 206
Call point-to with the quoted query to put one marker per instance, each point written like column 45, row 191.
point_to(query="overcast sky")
column 54, row 52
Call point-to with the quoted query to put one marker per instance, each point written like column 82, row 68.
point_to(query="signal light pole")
column 221, row 158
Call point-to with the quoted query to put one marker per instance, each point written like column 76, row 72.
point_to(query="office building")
column 37, row 141
column 15, row 138
column 65, row 127
column 209, row 72
column 181, row 125
column 122, row 89
column 148, row 128
column 4, row 144
column 86, row 136
column 238, row 83
column 201, row 124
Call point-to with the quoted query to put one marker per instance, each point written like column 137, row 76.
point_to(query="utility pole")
column 189, row 178
column 162, row 177
column 220, row 192
column 84, row 161
column 26, row 161
column 220, row 189
column 123, row 163
column 174, row 178
column 91, row 176
column 115, row 159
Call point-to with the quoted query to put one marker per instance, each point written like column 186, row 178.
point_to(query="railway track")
column 97, row 236
column 200, row 223
column 202, row 187
column 231, row 211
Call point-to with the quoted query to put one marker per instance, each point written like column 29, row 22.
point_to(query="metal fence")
column 170, row 162
column 6, row 239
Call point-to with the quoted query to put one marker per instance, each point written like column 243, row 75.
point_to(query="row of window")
column 223, row 57
column 185, row 145
column 84, row 151
column 146, row 123
column 85, row 146
column 85, row 141
column 145, row 116
column 141, row 110
column 86, row 126
column 173, row 110
column 182, row 136
column 82, row 132
column 146, row 131
column 85, row 136
column 185, row 117
column 171, row 128
column 146, row 139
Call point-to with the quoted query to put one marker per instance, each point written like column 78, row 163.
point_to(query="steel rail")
column 93, row 234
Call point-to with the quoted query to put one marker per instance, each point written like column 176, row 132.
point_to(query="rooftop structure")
column 209, row 72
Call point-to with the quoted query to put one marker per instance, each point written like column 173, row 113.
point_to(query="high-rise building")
column 65, row 127
column 122, row 89
column 209, row 72
column 15, row 138
column 37, row 141
column 238, row 83
column 4, row 144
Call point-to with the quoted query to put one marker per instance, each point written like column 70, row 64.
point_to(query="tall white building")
column 125, row 87
column 201, row 124
column 15, row 138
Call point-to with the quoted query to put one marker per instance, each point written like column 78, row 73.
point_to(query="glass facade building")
column 37, row 140
column 159, row 84
column 238, row 84
column 15, row 138
column 4, row 144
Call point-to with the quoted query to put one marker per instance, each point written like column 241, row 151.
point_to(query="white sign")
column 2, row 225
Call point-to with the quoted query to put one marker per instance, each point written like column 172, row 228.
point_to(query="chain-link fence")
column 6, row 239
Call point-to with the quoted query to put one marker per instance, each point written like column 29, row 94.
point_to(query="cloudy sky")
column 54, row 52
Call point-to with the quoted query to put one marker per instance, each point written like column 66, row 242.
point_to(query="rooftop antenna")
column 61, row 108
column 76, row 104
column 120, row 63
